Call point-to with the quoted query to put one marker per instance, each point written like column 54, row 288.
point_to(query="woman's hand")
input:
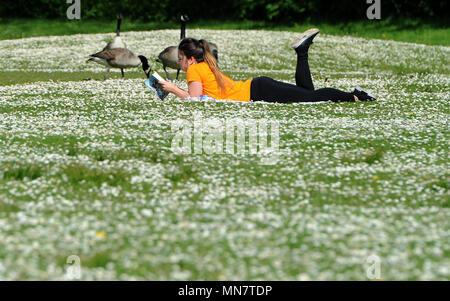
column 195, row 89
column 172, row 88
column 168, row 86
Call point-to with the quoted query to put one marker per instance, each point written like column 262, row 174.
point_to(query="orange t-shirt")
column 201, row 72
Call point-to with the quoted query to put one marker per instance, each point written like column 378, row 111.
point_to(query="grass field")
column 87, row 167
column 436, row 32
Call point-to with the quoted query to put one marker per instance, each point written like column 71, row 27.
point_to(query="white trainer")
column 306, row 36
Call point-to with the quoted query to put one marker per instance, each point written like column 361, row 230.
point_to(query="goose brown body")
column 117, row 58
column 120, row 58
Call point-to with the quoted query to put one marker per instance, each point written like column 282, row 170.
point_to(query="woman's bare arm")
column 195, row 89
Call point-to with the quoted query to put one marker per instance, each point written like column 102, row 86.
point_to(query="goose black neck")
column 183, row 30
column 119, row 20
column 145, row 65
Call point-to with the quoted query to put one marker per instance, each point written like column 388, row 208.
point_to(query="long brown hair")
column 199, row 49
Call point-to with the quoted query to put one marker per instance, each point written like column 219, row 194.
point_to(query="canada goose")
column 120, row 58
column 117, row 41
column 215, row 50
column 169, row 56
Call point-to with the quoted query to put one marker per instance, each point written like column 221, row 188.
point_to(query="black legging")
column 267, row 89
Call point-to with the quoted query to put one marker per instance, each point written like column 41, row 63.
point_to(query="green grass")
column 407, row 30
column 21, row 172
column 21, row 77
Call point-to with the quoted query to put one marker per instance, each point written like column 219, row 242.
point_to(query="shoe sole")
column 368, row 94
column 306, row 35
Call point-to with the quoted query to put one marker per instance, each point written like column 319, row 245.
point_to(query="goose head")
column 145, row 66
column 184, row 18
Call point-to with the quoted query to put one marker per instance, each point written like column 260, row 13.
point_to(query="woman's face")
column 184, row 62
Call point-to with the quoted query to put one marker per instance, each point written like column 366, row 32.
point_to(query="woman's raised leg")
column 301, row 46
column 269, row 90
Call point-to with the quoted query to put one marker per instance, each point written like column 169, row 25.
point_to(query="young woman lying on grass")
column 204, row 78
